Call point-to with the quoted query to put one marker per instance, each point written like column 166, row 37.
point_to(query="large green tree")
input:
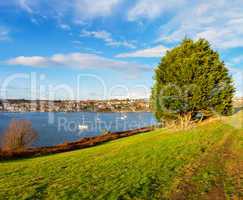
column 191, row 80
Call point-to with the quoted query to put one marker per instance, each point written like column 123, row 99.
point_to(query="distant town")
column 114, row 105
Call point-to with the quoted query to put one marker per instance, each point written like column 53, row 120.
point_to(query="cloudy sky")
column 94, row 49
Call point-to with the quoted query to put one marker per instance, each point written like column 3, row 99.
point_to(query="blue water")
column 57, row 128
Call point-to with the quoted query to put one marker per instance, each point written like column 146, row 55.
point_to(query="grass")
column 162, row 164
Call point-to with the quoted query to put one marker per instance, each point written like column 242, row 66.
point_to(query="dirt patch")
column 187, row 189
column 234, row 168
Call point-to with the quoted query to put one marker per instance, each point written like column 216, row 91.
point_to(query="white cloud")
column 131, row 92
column 35, row 61
column 76, row 60
column 238, row 59
column 4, row 34
column 24, row 4
column 107, row 38
column 78, row 10
column 150, row 9
column 64, row 27
column 237, row 75
column 157, row 51
column 219, row 21
column 92, row 9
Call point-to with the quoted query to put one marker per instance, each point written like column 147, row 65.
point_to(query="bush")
column 19, row 135
column 191, row 79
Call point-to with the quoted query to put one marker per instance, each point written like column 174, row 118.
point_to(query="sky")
column 101, row 49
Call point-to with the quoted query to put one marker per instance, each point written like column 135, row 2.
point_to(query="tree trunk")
column 185, row 120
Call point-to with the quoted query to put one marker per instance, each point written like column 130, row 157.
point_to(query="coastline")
column 137, row 111
column 70, row 146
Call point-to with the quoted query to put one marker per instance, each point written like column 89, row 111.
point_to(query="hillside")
column 202, row 163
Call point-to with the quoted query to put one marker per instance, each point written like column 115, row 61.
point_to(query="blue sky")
column 95, row 49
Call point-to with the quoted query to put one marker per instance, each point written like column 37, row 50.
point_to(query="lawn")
column 204, row 162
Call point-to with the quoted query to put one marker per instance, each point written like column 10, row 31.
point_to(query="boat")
column 98, row 118
column 123, row 117
column 82, row 127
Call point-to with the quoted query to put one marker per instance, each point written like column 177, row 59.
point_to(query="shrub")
column 19, row 135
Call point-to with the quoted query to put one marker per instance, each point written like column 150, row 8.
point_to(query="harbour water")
column 57, row 128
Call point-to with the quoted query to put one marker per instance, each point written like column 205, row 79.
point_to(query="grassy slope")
column 155, row 165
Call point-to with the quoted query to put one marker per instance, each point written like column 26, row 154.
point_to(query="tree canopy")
column 191, row 79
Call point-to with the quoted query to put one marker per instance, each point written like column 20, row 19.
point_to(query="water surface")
column 57, row 128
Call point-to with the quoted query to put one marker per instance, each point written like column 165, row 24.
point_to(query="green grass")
column 146, row 166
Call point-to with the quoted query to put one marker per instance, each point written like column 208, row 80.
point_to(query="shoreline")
column 76, row 112
column 70, row 146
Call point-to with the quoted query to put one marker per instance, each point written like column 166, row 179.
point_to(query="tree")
column 19, row 135
column 191, row 81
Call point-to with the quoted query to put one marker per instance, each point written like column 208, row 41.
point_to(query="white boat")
column 98, row 118
column 82, row 127
column 123, row 117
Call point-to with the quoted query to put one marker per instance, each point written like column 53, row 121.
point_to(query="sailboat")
column 82, row 126
column 123, row 116
column 98, row 118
